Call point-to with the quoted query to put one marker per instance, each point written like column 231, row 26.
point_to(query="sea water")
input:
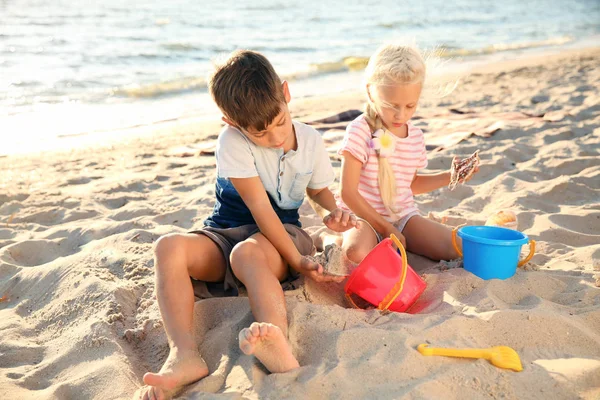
column 73, row 67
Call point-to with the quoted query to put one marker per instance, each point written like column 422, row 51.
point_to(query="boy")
column 265, row 164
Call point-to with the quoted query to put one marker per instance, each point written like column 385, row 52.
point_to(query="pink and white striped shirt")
column 409, row 155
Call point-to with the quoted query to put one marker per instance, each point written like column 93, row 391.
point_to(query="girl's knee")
column 356, row 253
column 446, row 251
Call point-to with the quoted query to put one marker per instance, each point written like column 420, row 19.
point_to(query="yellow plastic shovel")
column 500, row 356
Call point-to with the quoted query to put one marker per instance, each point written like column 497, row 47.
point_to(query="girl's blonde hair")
column 392, row 64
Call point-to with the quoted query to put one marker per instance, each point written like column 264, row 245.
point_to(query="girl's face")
column 395, row 104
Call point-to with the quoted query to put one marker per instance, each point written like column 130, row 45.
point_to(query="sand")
column 79, row 319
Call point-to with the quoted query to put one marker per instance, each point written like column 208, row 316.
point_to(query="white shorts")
column 400, row 224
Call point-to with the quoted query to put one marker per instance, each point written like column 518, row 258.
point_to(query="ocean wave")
column 169, row 87
column 22, row 84
column 159, row 89
column 266, row 7
column 400, row 23
column 351, row 63
column 289, row 49
column 357, row 63
column 180, row 46
column 502, row 47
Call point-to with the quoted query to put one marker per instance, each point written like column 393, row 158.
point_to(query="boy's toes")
column 255, row 329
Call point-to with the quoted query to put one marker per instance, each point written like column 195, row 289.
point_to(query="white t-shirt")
column 284, row 176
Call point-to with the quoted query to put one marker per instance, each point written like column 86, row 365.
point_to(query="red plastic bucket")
column 385, row 279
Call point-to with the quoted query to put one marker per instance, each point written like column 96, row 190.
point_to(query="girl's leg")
column 358, row 242
column 430, row 239
column 177, row 257
column 323, row 237
column 260, row 267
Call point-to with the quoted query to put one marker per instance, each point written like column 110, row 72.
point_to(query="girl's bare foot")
column 180, row 369
column 267, row 343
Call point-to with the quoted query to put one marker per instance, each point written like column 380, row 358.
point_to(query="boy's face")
column 279, row 133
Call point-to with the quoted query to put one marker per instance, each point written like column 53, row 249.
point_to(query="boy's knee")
column 242, row 253
column 168, row 244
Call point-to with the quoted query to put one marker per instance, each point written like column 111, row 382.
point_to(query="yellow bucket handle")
column 454, row 242
column 531, row 253
column 352, row 301
column 397, row 289
column 521, row 263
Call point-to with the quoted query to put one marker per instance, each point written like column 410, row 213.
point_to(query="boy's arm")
column 256, row 199
column 323, row 202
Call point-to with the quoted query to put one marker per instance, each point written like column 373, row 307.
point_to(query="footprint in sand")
column 114, row 202
column 6, row 198
column 32, row 253
column 51, row 216
column 135, row 187
column 46, row 216
column 183, row 218
column 567, row 236
column 587, row 225
column 572, row 166
column 551, row 137
column 82, row 180
column 175, row 165
column 18, row 354
column 131, row 213
column 7, row 234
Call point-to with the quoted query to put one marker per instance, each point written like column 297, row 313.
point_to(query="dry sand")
column 79, row 319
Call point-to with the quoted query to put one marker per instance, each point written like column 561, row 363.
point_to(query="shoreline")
column 347, row 83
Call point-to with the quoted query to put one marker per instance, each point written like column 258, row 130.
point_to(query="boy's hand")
column 340, row 221
column 314, row 271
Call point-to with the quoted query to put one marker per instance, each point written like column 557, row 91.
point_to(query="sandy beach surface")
column 79, row 318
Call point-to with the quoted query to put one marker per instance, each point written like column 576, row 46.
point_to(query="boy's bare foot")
column 179, row 370
column 269, row 345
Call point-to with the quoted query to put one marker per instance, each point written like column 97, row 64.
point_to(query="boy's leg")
column 177, row 257
column 430, row 239
column 357, row 243
column 260, row 267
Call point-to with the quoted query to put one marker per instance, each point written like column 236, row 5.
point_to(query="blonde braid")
column 385, row 174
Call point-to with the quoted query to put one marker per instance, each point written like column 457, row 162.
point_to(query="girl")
column 382, row 152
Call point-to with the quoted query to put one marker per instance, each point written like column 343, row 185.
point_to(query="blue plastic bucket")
column 492, row 252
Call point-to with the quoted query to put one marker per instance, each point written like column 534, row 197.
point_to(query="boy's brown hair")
column 247, row 90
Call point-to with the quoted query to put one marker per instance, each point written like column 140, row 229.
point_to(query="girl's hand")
column 340, row 221
column 470, row 176
column 397, row 233
column 308, row 267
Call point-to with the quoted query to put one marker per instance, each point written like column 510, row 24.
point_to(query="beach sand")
column 79, row 318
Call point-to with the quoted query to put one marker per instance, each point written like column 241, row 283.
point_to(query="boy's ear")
column 286, row 91
column 228, row 121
